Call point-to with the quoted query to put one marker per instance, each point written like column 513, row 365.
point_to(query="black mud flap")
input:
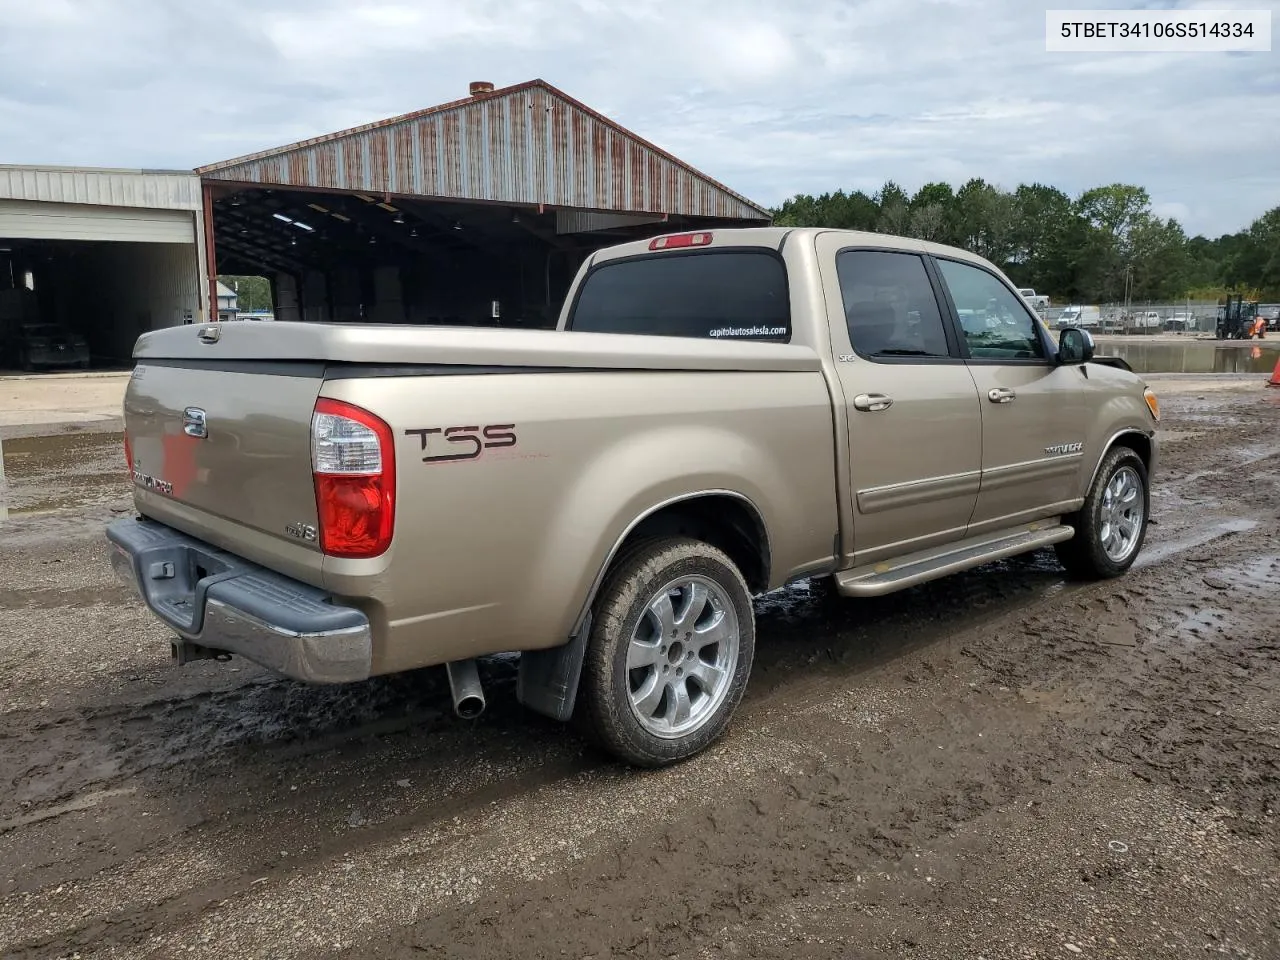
column 548, row 679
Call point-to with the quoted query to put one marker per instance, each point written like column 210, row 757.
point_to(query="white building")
column 228, row 302
column 108, row 253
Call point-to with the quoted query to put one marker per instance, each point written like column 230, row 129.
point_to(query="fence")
column 1194, row 314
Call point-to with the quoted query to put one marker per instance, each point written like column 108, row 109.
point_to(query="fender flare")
column 1109, row 445
column 547, row 680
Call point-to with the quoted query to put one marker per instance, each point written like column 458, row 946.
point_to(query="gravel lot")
column 41, row 404
column 999, row 765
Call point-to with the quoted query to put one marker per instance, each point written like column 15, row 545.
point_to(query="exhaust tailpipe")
column 464, row 684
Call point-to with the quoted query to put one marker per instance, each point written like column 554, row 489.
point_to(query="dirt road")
column 1000, row 765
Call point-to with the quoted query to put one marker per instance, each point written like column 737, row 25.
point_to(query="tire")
column 642, row 653
column 1100, row 550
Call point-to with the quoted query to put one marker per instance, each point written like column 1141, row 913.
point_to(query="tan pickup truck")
column 717, row 414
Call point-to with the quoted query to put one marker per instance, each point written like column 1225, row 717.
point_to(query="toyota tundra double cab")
column 717, row 414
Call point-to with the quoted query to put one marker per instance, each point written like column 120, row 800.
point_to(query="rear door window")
column 716, row 294
column 889, row 306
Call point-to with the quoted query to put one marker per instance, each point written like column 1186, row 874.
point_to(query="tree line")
column 252, row 293
column 1092, row 248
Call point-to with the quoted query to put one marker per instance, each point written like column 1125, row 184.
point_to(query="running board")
column 875, row 580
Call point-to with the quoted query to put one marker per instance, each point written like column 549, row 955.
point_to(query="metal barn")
column 474, row 212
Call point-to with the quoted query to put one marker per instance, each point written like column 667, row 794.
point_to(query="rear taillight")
column 353, row 462
column 128, row 455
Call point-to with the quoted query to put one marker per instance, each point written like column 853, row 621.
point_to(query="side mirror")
column 1075, row 346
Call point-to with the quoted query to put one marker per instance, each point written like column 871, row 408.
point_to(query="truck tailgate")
column 223, row 452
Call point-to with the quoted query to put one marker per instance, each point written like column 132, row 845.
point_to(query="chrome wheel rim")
column 1121, row 514
column 682, row 656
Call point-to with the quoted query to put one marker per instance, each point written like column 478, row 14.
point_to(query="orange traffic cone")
column 1275, row 376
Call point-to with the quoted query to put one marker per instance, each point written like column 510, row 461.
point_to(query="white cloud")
column 771, row 98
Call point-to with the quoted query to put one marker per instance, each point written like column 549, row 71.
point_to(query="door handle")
column 1001, row 395
column 872, row 402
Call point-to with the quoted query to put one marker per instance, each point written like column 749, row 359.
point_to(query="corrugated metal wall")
column 529, row 146
column 115, row 292
column 583, row 221
column 41, row 220
column 159, row 190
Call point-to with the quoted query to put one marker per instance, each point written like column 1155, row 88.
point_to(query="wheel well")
column 726, row 522
column 1138, row 443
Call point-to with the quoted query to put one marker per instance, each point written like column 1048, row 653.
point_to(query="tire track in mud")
column 1065, row 698
column 810, row 698
column 104, row 746
column 850, row 688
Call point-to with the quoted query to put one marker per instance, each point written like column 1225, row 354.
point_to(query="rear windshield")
column 730, row 294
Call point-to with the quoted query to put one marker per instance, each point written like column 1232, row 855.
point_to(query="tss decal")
column 470, row 441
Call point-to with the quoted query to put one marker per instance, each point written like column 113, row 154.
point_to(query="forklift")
column 1238, row 319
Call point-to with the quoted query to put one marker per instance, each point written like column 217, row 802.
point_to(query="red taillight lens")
column 354, row 466
column 681, row 240
column 128, row 455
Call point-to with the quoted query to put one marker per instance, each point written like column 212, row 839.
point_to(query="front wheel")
column 672, row 640
column 1112, row 524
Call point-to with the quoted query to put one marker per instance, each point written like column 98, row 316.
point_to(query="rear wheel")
column 672, row 640
column 1112, row 524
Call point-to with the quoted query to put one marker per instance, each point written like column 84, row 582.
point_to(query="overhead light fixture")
column 457, row 225
column 338, row 216
column 413, row 231
column 304, row 226
column 281, row 217
column 398, row 218
column 293, row 241
column 316, row 206
column 373, row 240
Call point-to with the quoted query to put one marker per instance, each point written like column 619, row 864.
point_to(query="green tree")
column 1254, row 260
column 1113, row 213
column 852, row 211
column 1085, row 249
column 252, row 293
column 932, row 213
column 985, row 219
column 1159, row 260
column 1047, row 237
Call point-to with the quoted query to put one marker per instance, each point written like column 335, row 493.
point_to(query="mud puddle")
column 48, row 475
column 1196, row 356
column 935, row 774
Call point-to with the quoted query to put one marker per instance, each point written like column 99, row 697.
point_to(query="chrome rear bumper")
column 215, row 600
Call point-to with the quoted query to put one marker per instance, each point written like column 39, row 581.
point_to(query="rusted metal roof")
column 525, row 144
column 100, row 186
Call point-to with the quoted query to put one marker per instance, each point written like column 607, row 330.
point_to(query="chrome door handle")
column 872, row 402
column 1001, row 395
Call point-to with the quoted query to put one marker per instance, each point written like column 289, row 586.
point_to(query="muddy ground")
column 999, row 765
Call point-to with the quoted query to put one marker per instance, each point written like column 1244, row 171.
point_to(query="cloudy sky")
column 773, row 97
